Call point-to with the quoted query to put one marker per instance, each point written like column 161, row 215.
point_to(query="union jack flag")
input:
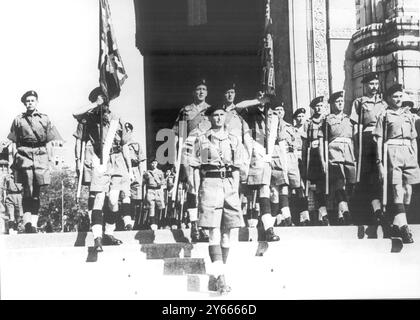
column 111, row 68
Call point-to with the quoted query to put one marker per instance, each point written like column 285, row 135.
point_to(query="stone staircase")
column 307, row 263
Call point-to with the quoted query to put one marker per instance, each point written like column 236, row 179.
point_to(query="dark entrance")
column 225, row 48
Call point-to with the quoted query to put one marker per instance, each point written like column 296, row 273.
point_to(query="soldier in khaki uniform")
column 192, row 121
column 315, row 172
column 365, row 112
column 154, row 181
column 339, row 131
column 396, row 129
column 217, row 158
column 13, row 200
column 286, row 174
column 31, row 131
column 111, row 165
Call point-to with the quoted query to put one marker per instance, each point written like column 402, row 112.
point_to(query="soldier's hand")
column 381, row 171
column 323, row 166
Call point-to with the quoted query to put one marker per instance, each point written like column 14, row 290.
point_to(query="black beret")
column 315, row 101
column 128, row 125
column 335, row 96
column 229, row 86
column 298, row 112
column 396, row 87
column 199, row 82
column 28, row 94
column 369, row 77
column 408, row 103
column 95, row 93
column 214, row 108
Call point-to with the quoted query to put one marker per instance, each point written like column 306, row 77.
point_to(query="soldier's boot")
column 110, row 240
column 12, row 226
column 348, row 221
column 384, row 223
column 29, row 228
column 221, row 285
column 270, row 236
column 97, row 247
column 287, row 222
column 406, row 235
column 325, row 221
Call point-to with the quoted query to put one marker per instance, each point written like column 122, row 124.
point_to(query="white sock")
column 217, row 268
column 109, row 229
column 322, row 212
column 127, row 220
column 34, row 220
column 97, row 230
column 285, row 212
column 279, row 218
column 252, row 223
column 342, row 207
column 376, row 204
column 400, row 220
column 27, row 218
column 153, row 227
column 267, row 220
column 193, row 214
column 304, row 215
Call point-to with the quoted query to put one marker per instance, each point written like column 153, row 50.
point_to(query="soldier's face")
column 31, row 103
column 319, row 108
column 217, row 119
column 396, row 99
column 200, row 93
column 154, row 164
column 280, row 112
column 373, row 86
column 299, row 118
column 339, row 104
column 230, row 96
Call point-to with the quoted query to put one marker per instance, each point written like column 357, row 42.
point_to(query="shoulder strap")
column 32, row 129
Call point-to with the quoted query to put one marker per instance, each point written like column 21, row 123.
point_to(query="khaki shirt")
column 8, row 183
column 92, row 130
column 400, row 124
column 315, row 125
column 35, row 128
column 217, row 149
column 337, row 126
column 372, row 108
column 154, row 178
column 195, row 118
column 289, row 134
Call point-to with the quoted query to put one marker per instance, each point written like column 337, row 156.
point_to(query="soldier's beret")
column 129, row 126
column 229, row 86
column 335, row 96
column 210, row 110
column 298, row 112
column 95, row 93
column 369, row 77
column 315, row 101
column 396, row 87
column 153, row 160
column 408, row 103
column 28, row 94
column 199, row 82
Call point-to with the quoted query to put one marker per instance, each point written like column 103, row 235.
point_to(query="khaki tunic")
column 154, row 180
column 315, row 173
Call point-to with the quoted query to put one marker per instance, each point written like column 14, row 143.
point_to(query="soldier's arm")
column 355, row 109
column 127, row 158
column 84, row 109
column 261, row 99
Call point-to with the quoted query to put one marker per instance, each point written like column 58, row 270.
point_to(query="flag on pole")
column 111, row 69
column 268, row 77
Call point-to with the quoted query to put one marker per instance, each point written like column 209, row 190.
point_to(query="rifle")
column 181, row 137
column 327, row 177
column 385, row 165
column 360, row 137
column 308, row 157
column 81, row 164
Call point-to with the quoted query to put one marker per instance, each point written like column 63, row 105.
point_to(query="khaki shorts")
column 289, row 177
column 114, row 178
column 402, row 165
column 155, row 197
column 218, row 204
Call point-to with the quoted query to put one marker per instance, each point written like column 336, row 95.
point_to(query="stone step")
column 72, row 239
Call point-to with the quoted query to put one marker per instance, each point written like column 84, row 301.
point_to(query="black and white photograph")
column 210, row 150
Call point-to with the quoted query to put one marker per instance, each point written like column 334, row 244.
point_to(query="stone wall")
column 388, row 42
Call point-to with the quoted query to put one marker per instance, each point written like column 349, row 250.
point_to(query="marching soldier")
column 286, row 174
column 259, row 119
column 314, row 170
column 32, row 131
column 154, row 181
column 217, row 158
column 111, row 165
column 365, row 112
column 192, row 121
column 301, row 127
column 338, row 132
column 12, row 192
column 137, row 157
column 397, row 159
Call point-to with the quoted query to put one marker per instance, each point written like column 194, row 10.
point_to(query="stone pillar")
column 389, row 46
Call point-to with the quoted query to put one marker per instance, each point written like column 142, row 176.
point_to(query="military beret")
column 28, row 94
column 396, row 87
column 199, row 82
column 129, row 126
column 229, row 86
column 335, row 96
column 153, row 160
column 210, row 110
column 408, row 103
column 95, row 93
column 369, row 77
column 315, row 101
column 298, row 112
